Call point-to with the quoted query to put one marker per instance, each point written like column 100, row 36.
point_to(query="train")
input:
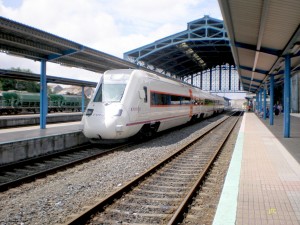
column 15, row 102
column 132, row 102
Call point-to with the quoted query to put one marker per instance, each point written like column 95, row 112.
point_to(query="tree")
column 7, row 84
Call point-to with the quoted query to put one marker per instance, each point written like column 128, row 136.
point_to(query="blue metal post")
column 192, row 79
column 229, row 88
column 201, row 80
column 210, row 79
column 82, row 99
column 271, row 112
column 287, row 86
column 259, row 101
column 220, row 77
column 43, row 96
column 265, row 104
column 256, row 104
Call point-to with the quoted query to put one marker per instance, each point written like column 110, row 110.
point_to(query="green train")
column 15, row 102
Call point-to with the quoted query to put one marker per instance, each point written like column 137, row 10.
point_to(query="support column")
column 271, row 114
column 229, row 88
column 210, row 79
column 201, row 80
column 192, row 79
column 265, row 104
column 287, row 90
column 220, row 77
column 82, row 99
column 259, row 101
column 43, row 96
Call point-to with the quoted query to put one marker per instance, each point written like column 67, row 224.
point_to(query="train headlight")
column 89, row 112
column 118, row 112
column 114, row 111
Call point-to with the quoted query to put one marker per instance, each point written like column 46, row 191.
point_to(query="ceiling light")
column 296, row 48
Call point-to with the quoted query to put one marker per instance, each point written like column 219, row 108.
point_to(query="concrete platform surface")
column 262, row 185
column 8, row 121
column 26, row 142
column 32, row 132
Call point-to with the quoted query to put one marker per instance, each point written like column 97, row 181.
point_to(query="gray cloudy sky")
column 111, row 26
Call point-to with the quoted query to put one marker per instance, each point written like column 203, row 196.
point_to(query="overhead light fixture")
column 296, row 48
column 275, row 71
column 184, row 47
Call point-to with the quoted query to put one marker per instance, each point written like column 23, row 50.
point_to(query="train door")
column 143, row 104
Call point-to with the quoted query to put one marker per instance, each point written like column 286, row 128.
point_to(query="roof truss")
column 203, row 45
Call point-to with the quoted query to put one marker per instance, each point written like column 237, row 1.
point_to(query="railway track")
column 162, row 194
column 15, row 174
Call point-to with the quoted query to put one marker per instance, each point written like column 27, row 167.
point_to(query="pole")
column 265, row 104
column 82, row 99
column 43, row 96
column 271, row 99
column 287, row 89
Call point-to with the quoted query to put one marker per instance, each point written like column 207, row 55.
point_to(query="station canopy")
column 28, row 42
column 203, row 45
column 50, row 79
column 262, row 34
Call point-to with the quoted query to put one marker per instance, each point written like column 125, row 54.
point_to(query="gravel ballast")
column 52, row 199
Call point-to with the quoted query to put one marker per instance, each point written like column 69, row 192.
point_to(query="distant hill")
column 72, row 90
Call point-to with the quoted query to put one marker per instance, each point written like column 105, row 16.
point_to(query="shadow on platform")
column 292, row 144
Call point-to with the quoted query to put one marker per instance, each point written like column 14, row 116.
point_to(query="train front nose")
column 104, row 122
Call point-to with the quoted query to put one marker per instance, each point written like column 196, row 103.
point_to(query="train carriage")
column 14, row 102
column 130, row 102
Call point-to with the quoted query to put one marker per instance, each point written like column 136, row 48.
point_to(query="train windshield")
column 110, row 93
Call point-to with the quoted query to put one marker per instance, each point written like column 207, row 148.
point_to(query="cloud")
column 111, row 26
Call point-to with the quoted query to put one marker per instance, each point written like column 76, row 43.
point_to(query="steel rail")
column 178, row 215
column 83, row 217
column 44, row 173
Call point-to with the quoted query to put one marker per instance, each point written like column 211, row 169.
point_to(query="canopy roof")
column 261, row 34
column 50, row 79
column 25, row 41
column 203, row 45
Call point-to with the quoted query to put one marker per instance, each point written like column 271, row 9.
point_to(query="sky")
column 110, row 26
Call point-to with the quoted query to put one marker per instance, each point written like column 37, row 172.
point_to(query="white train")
column 129, row 102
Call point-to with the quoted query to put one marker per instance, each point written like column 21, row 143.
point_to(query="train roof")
column 166, row 79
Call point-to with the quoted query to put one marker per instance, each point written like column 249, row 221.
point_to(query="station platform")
column 31, row 132
column 21, row 143
column 7, row 121
column 262, row 185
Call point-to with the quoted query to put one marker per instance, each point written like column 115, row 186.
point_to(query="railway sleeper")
column 166, row 188
column 136, row 214
column 155, row 200
column 153, row 207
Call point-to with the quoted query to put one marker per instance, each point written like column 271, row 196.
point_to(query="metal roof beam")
column 64, row 53
column 262, row 27
column 157, row 49
column 252, row 85
column 287, row 50
column 265, row 72
column 269, row 51
column 251, row 79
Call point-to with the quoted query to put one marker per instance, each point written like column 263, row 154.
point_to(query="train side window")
column 98, row 97
column 175, row 100
column 185, row 100
column 146, row 97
